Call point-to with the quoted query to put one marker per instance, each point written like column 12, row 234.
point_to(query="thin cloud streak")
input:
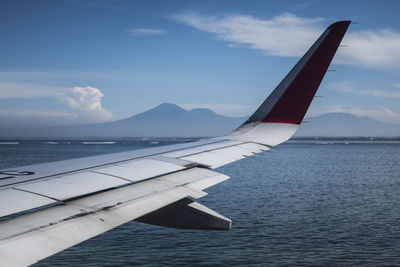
column 383, row 114
column 396, row 85
column 145, row 31
column 28, row 90
column 35, row 118
column 350, row 87
column 380, row 93
column 290, row 36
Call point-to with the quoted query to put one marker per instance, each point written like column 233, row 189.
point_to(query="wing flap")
column 13, row 201
column 53, row 229
column 208, row 147
column 140, row 169
column 41, row 192
column 187, row 214
column 36, row 172
column 73, row 185
column 46, row 240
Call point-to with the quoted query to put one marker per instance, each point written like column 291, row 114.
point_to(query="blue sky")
column 67, row 61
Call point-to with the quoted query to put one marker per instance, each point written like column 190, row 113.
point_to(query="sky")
column 84, row 61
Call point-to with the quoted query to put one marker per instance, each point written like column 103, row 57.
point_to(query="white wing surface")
column 46, row 208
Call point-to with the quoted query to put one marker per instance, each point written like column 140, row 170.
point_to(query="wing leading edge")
column 53, row 206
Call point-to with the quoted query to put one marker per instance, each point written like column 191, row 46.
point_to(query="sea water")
column 302, row 203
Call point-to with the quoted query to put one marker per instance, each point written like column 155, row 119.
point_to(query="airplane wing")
column 46, row 208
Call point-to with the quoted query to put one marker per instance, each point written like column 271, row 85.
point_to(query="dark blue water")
column 301, row 204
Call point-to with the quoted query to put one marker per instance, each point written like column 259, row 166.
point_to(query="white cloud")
column 27, row 90
column 85, row 104
column 230, row 110
column 86, row 101
column 145, row 31
column 284, row 35
column 289, row 35
column 396, row 85
column 382, row 114
column 380, row 93
column 350, row 87
column 371, row 48
column 233, row 45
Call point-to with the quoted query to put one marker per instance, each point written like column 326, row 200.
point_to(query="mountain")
column 165, row 120
column 344, row 124
column 169, row 120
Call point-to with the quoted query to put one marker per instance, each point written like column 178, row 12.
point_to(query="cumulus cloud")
column 145, row 31
column 86, row 101
column 290, row 35
column 350, row 87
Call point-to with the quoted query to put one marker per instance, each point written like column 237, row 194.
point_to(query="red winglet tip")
column 340, row 24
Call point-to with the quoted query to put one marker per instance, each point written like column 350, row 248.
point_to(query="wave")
column 9, row 143
column 99, row 143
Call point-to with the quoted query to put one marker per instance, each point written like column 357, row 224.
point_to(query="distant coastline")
column 173, row 122
column 12, row 140
column 344, row 138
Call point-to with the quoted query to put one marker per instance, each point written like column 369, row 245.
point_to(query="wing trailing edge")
column 278, row 117
column 187, row 214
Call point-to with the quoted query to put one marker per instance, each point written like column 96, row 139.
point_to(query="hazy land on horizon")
column 172, row 121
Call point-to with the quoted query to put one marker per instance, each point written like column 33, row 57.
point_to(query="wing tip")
column 339, row 24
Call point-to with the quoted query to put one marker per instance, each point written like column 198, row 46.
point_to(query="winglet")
column 290, row 100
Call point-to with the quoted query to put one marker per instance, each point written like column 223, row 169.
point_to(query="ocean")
column 304, row 203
